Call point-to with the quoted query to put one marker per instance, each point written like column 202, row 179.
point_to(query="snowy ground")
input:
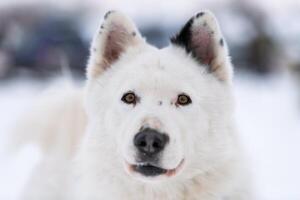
column 268, row 117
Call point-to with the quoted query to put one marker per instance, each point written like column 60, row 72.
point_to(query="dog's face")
column 160, row 111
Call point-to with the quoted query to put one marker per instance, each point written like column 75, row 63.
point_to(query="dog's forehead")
column 159, row 68
column 161, row 64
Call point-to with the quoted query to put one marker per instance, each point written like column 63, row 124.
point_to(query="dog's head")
column 160, row 113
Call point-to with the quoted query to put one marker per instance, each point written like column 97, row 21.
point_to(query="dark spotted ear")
column 201, row 37
column 114, row 37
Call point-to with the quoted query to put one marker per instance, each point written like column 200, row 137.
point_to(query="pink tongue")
column 171, row 172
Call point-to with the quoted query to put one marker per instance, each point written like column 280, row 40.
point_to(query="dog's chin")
column 147, row 171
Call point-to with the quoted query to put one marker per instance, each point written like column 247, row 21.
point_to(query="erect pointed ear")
column 114, row 37
column 201, row 37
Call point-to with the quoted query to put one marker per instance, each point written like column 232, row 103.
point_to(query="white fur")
column 202, row 134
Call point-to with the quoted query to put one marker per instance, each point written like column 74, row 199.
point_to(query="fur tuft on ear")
column 116, row 34
column 201, row 37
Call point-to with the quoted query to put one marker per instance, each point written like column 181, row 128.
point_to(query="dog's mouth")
column 150, row 170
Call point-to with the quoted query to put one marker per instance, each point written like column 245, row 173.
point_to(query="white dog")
column 157, row 123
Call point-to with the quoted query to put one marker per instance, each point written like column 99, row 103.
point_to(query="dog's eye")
column 129, row 98
column 183, row 100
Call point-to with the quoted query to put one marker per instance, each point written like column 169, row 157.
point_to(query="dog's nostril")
column 156, row 145
column 142, row 144
column 150, row 141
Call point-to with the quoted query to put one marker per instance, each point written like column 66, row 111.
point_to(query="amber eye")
column 183, row 100
column 129, row 98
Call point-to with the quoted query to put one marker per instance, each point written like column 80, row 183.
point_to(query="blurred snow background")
column 37, row 38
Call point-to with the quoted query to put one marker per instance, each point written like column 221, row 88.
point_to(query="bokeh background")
column 46, row 42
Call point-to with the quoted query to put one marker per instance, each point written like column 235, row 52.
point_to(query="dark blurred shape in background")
column 260, row 53
column 38, row 41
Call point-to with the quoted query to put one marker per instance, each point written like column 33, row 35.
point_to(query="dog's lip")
column 166, row 172
column 172, row 172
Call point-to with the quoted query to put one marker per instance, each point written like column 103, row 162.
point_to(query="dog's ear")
column 201, row 37
column 115, row 36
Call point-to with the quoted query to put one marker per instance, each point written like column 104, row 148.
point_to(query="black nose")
column 150, row 141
